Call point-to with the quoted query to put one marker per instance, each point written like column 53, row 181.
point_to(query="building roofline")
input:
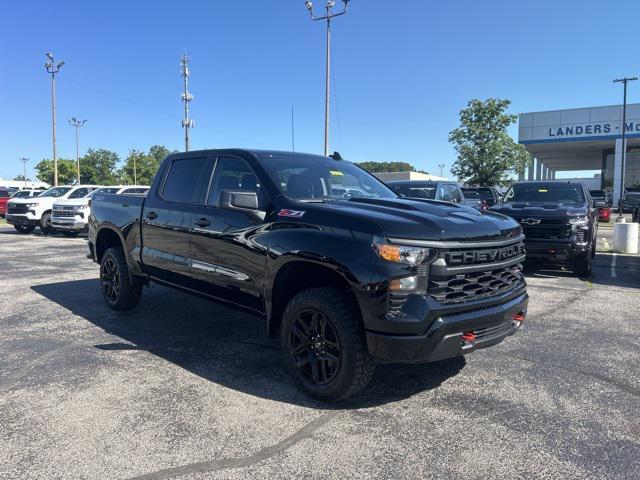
column 578, row 108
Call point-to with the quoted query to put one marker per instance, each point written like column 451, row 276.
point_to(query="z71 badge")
column 285, row 212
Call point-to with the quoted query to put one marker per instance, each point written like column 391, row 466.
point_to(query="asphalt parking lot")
column 184, row 388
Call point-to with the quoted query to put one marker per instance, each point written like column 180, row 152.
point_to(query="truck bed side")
column 118, row 215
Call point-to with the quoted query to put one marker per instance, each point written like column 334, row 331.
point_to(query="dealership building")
column 583, row 139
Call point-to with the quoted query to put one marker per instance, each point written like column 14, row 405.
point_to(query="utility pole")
column 328, row 16
column 24, row 170
column 441, row 165
column 53, row 68
column 187, row 123
column 624, row 81
column 74, row 122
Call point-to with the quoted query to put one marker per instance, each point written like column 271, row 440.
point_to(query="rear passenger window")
column 79, row 193
column 184, row 180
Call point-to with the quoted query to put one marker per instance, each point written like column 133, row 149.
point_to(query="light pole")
column 74, row 122
column 624, row 81
column 53, row 68
column 24, row 170
column 441, row 165
column 328, row 16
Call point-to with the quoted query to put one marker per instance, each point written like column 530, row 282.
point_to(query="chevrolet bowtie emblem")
column 530, row 221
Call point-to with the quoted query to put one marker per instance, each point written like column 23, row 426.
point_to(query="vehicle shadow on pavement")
column 224, row 345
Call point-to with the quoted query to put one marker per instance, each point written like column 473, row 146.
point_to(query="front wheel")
column 45, row 224
column 119, row 289
column 24, row 228
column 323, row 344
column 582, row 265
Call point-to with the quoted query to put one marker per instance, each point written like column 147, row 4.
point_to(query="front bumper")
column 555, row 251
column 22, row 220
column 444, row 338
column 68, row 224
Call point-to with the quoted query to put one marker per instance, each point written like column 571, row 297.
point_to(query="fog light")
column 404, row 284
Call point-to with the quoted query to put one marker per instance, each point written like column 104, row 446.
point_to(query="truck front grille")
column 17, row 209
column 63, row 213
column 462, row 274
column 548, row 229
column 475, row 285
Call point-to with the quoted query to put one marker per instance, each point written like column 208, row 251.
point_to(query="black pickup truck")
column 347, row 273
column 559, row 220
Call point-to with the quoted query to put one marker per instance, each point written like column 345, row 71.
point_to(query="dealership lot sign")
column 580, row 124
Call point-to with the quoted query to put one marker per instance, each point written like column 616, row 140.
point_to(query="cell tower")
column 187, row 123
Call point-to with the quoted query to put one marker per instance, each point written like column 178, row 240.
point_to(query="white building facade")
column 583, row 139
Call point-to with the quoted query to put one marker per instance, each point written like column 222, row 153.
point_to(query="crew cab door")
column 167, row 219
column 228, row 250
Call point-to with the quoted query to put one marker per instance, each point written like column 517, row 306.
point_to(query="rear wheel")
column 45, row 224
column 24, row 228
column 324, row 346
column 119, row 289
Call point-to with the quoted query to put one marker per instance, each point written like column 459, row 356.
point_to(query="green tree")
column 146, row 165
column 98, row 167
column 22, row 178
column 375, row 167
column 487, row 155
column 67, row 173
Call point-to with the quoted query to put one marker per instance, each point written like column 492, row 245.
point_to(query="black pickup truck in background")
column 559, row 220
column 346, row 272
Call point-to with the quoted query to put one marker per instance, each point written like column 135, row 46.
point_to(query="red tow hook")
column 518, row 319
column 469, row 336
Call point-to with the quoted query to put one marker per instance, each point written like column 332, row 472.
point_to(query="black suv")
column 558, row 219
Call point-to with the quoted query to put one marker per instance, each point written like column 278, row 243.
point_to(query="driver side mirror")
column 246, row 202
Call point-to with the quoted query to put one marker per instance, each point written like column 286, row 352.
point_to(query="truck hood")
column 75, row 202
column 38, row 200
column 541, row 209
column 426, row 219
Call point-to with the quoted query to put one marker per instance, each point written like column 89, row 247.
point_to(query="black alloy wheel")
column 110, row 279
column 314, row 347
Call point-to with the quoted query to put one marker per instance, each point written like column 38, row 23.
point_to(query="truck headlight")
column 579, row 222
column 401, row 253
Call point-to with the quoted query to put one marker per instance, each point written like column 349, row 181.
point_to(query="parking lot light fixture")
column 624, row 81
column 74, row 122
column 328, row 16
column 52, row 68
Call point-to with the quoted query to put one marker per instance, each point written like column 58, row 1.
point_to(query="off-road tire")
column 114, row 268
column 355, row 368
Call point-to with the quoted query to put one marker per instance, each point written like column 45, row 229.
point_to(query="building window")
column 632, row 169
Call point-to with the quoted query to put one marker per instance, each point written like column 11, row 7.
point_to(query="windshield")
column 471, row 194
column 310, row 177
column 55, row 192
column 103, row 190
column 416, row 191
column 559, row 193
column 21, row 194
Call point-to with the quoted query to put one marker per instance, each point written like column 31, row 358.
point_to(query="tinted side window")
column 79, row 193
column 443, row 193
column 232, row 174
column 184, row 180
column 456, row 195
column 4, row 194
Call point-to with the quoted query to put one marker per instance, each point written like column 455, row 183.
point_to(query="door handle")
column 152, row 215
column 203, row 222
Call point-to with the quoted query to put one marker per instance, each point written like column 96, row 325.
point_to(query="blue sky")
column 402, row 71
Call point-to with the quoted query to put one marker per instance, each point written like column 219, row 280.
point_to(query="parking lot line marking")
column 613, row 266
column 606, row 244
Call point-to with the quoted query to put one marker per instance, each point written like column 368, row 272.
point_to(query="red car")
column 604, row 214
column 5, row 195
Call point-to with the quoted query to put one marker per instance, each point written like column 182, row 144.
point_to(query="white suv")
column 25, row 214
column 71, row 216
